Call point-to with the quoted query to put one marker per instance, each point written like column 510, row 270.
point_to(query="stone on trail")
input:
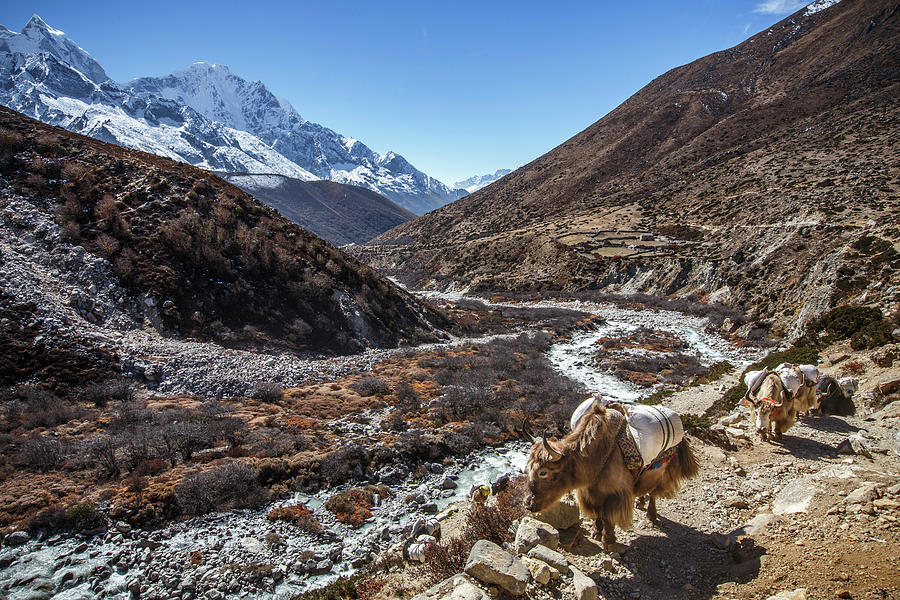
column 585, row 588
column 532, row 532
column 457, row 587
column 551, row 557
column 754, row 526
column 795, row 497
column 864, row 494
column 540, row 571
column 491, row 564
column 798, row 594
column 562, row 514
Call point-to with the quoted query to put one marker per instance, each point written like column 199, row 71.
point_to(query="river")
column 235, row 554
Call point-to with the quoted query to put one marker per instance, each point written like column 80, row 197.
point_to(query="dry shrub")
column 853, row 368
column 445, row 559
column 371, row 386
column 268, row 392
column 353, row 506
column 492, row 521
column 297, row 515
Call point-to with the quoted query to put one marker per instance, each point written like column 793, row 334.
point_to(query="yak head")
column 767, row 403
column 550, row 473
column 557, row 466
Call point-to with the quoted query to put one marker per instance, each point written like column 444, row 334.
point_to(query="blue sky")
column 459, row 88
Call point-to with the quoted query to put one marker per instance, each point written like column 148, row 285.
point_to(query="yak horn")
column 555, row 454
column 527, row 434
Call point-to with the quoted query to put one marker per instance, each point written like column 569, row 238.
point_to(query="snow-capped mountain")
column 204, row 115
column 477, row 182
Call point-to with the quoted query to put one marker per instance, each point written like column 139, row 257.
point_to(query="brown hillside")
column 762, row 172
column 337, row 212
column 200, row 257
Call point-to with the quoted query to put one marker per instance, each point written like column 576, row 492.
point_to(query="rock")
column 448, row 484
column 134, row 586
column 323, row 566
column 532, row 532
column 607, row 565
column 736, row 502
column 731, row 419
column 17, row 538
column 798, row 594
column 585, row 588
column 6, row 559
column 854, row 444
column 889, row 384
column 735, row 432
column 123, row 527
column 837, row 357
column 562, row 514
column 795, row 497
column 457, row 587
column 491, row 564
column 551, row 557
column 754, row 526
column 867, row 492
column 430, row 508
column 540, row 571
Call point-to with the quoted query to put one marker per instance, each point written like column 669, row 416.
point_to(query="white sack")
column 811, row 372
column 754, row 379
column 583, row 408
column 790, row 379
column 655, row 429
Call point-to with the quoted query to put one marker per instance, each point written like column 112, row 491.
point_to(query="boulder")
column 795, row 497
column 864, row 494
column 551, row 557
column 17, row 538
column 540, row 571
column 491, row 564
column 585, row 588
column 457, row 587
column 532, row 532
column 562, row 514
column 889, row 384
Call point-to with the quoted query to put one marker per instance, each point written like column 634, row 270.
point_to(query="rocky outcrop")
column 491, row 564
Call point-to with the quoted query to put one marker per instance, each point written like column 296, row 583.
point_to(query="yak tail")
column 687, row 461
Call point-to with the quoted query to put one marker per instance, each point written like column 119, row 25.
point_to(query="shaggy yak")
column 590, row 461
column 772, row 407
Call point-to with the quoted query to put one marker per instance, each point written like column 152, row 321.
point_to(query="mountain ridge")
column 204, row 115
column 720, row 162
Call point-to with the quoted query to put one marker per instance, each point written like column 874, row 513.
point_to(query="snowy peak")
column 477, row 182
column 39, row 38
column 204, row 115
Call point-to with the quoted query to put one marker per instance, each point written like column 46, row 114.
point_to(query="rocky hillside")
column 339, row 213
column 764, row 176
column 129, row 240
column 204, row 115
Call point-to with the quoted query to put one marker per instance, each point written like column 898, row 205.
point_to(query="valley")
column 245, row 356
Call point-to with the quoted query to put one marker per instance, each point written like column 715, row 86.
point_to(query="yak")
column 772, row 406
column 590, row 461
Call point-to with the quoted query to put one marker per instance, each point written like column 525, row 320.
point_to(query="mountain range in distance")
column 204, row 115
column 476, row 182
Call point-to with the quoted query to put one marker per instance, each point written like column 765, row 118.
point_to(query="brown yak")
column 589, row 461
column 772, row 407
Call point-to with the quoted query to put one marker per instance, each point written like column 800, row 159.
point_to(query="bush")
column 271, row 393
column 41, row 453
column 233, row 484
column 873, row 335
column 115, row 389
column 297, row 515
column 370, row 386
column 695, row 424
column 352, row 506
column 844, row 321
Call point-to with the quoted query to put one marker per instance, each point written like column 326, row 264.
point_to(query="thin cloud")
column 780, row 7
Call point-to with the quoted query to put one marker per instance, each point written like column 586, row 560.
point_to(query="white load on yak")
column 654, row 429
column 791, row 376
